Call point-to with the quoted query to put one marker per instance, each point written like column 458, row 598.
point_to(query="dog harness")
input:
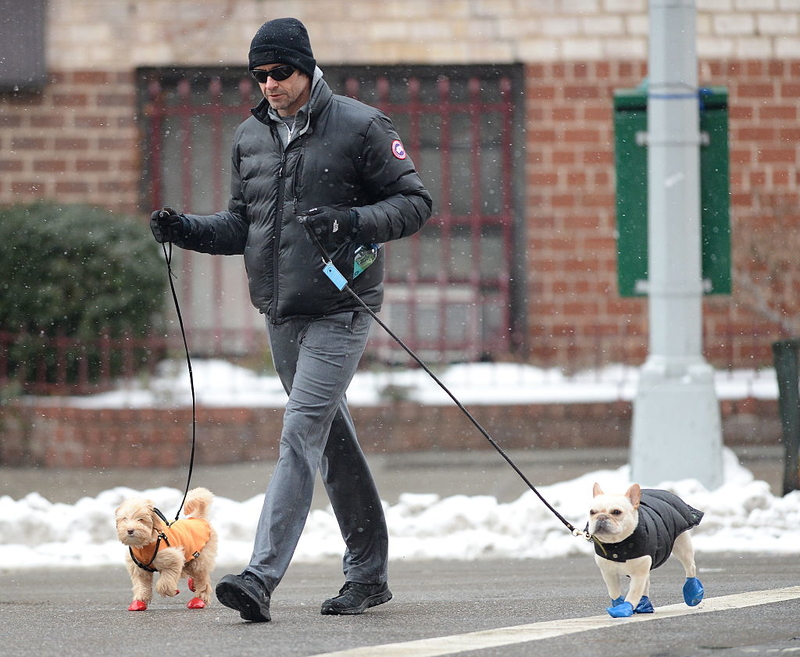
column 191, row 534
column 663, row 516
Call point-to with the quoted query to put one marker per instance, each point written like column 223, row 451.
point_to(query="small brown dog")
column 184, row 548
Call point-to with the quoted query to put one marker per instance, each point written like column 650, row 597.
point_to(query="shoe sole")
column 371, row 601
column 232, row 595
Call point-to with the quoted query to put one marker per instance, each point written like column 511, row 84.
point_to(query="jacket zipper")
column 278, row 228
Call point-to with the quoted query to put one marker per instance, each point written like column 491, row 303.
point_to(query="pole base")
column 677, row 430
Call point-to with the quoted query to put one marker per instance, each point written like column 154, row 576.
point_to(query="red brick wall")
column 76, row 142
column 69, row 437
column 574, row 307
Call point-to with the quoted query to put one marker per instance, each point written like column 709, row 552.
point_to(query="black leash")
column 340, row 282
column 171, row 276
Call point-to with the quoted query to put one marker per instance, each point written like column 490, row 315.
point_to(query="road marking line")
column 503, row 636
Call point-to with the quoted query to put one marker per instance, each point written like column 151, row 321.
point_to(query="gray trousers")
column 316, row 358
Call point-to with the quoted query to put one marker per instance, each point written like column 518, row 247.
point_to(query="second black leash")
column 170, row 275
column 340, row 282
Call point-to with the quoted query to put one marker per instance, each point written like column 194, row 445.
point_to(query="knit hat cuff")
column 272, row 54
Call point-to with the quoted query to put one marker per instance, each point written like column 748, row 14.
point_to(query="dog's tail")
column 197, row 502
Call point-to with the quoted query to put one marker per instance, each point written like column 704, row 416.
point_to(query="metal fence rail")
column 50, row 365
column 60, row 365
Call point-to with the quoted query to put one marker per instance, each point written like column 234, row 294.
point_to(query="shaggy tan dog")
column 185, row 548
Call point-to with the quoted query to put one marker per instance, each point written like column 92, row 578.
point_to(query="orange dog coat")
column 191, row 534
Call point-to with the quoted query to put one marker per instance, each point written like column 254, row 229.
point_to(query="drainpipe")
column 676, row 420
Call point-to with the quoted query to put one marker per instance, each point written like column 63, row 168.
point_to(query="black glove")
column 330, row 225
column 167, row 225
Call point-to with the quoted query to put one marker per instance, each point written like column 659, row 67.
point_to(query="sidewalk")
column 470, row 473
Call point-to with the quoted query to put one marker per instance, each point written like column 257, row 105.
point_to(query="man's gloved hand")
column 331, row 225
column 167, row 225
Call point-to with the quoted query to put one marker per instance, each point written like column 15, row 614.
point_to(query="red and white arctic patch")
column 397, row 149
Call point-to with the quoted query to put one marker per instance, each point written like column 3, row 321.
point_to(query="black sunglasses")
column 279, row 73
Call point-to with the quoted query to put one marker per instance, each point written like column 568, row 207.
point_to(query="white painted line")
column 503, row 636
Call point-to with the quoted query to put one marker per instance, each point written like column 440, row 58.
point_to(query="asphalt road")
column 84, row 612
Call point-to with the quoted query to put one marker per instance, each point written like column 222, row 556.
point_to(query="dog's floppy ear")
column 158, row 523
column 596, row 490
column 634, row 494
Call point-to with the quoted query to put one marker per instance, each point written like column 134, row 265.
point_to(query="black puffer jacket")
column 347, row 155
column 663, row 516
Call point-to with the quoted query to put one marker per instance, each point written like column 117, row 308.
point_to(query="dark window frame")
column 172, row 94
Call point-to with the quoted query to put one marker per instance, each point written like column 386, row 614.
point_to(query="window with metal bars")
column 455, row 290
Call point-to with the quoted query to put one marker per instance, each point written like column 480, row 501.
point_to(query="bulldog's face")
column 612, row 518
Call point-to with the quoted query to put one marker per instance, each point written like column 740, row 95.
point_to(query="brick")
column 581, row 49
column 777, row 24
column 782, row 112
column 11, row 166
column 756, row 90
column 787, row 47
column 755, row 5
column 10, row 120
column 72, row 187
column 49, row 166
column 577, row 135
column 774, row 155
column 92, row 77
column 580, row 92
column 47, row 121
column 542, row 92
column 89, row 121
column 733, row 24
column 71, row 144
column 603, row 25
column 69, row 100
column 115, row 100
column 624, row 6
column 27, row 188
column 91, row 165
column 28, row 144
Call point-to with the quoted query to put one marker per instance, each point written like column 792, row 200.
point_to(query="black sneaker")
column 245, row 594
column 354, row 598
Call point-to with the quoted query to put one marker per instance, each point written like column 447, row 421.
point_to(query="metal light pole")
column 676, row 421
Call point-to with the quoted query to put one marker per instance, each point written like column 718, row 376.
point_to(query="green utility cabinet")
column 630, row 130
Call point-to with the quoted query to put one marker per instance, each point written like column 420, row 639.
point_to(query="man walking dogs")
column 340, row 165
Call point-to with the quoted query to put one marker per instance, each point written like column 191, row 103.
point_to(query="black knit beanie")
column 283, row 41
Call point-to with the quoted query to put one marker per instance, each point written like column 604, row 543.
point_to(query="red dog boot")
column 195, row 603
column 138, row 605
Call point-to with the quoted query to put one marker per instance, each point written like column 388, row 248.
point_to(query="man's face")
column 286, row 96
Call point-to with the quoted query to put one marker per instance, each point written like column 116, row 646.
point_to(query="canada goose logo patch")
column 397, row 150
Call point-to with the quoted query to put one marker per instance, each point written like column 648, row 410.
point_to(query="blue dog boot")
column 693, row 591
column 644, row 606
column 622, row 610
column 618, row 601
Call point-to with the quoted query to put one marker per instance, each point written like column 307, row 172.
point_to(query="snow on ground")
column 740, row 516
